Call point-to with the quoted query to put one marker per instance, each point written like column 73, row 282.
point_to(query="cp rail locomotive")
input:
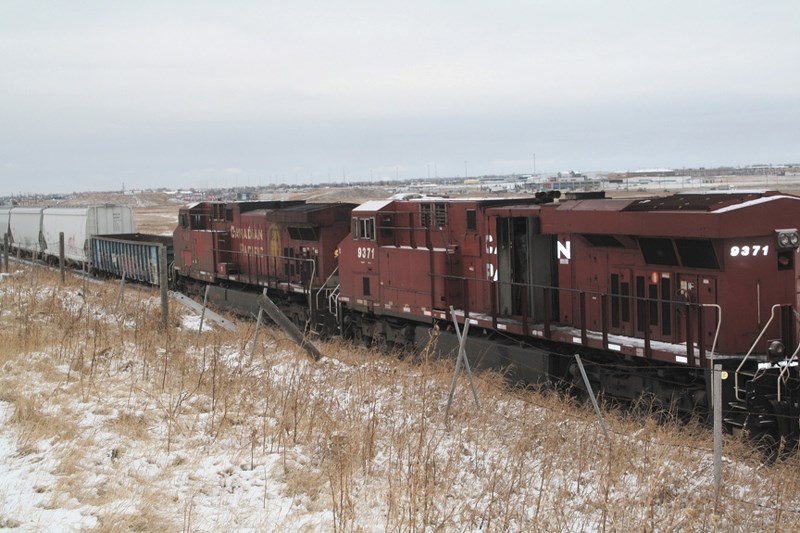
column 650, row 292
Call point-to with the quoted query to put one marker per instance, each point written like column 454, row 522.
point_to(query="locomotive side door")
column 505, row 261
column 620, row 318
column 653, row 304
column 696, row 289
column 222, row 249
column 707, row 294
column 524, row 267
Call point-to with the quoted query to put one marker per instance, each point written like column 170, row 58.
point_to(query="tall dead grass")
column 359, row 435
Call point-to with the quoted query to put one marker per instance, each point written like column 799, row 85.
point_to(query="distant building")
column 644, row 173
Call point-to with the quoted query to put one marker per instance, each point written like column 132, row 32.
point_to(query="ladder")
column 744, row 400
column 328, row 294
column 739, row 390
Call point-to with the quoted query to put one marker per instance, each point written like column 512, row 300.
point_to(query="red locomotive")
column 284, row 246
column 651, row 292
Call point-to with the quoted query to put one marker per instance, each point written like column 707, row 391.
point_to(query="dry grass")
column 156, row 219
column 130, row 416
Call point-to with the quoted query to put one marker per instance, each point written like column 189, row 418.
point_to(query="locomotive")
column 652, row 293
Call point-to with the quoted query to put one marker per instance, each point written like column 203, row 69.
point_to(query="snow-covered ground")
column 107, row 424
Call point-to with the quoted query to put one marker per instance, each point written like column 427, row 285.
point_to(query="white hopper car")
column 35, row 230
column 5, row 214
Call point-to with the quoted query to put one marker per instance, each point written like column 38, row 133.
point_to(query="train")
column 652, row 293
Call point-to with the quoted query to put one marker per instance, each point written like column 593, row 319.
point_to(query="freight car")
column 99, row 238
column 34, row 231
column 5, row 216
column 134, row 256
column 650, row 292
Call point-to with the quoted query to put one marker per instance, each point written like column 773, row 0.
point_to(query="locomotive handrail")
column 582, row 295
column 747, row 355
column 792, row 359
column 283, row 257
column 307, row 289
column 719, row 324
column 785, row 369
column 335, row 270
column 324, row 285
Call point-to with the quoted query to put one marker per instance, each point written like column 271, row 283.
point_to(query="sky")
column 97, row 95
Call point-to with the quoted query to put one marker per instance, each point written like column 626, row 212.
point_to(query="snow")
column 25, row 484
column 96, row 433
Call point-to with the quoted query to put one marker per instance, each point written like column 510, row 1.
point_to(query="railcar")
column 286, row 247
column 79, row 225
column 652, row 293
column 5, row 217
column 25, row 230
column 34, row 231
column 133, row 256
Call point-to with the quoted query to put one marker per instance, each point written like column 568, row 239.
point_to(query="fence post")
column 121, row 290
column 163, row 282
column 288, row 326
column 203, row 313
column 461, row 358
column 61, row 255
column 716, row 392
column 591, row 395
column 258, row 325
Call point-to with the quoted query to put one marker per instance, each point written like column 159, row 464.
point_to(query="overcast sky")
column 94, row 94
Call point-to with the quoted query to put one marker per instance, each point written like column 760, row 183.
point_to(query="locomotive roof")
column 700, row 201
column 372, row 205
column 378, row 205
column 305, row 208
column 299, row 209
column 706, row 214
column 247, row 205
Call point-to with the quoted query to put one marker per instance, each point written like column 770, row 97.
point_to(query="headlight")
column 775, row 349
column 788, row 238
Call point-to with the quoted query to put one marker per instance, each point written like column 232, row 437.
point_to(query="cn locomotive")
column 652, row 293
